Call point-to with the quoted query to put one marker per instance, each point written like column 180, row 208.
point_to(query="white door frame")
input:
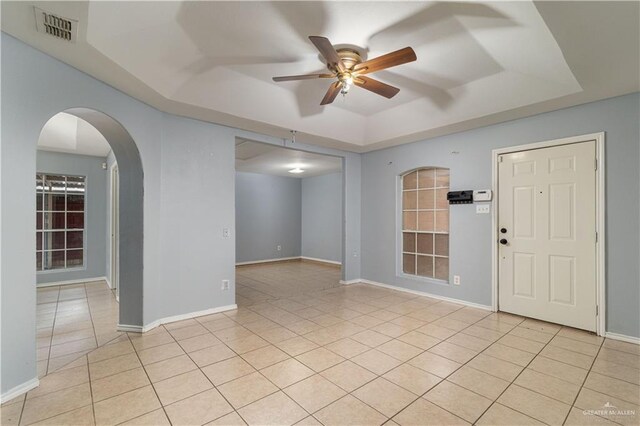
column 114, row 237
column 600, row 217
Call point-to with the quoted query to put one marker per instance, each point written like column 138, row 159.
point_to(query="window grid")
column 425, row 223
column 60, row 218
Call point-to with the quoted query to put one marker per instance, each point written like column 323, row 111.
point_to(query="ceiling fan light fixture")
column 296, row 170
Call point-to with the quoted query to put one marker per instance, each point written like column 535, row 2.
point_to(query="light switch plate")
column 483, row 208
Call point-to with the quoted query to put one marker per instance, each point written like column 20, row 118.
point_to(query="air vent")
column 56, row 26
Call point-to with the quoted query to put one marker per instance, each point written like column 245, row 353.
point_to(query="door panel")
column 547, row 204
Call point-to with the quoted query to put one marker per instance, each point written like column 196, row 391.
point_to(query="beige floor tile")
column 543, row 326
column 419, row 340
column 159, row 353
column 390, row 329
column 607, row 406
column 231, row 419
column 310, row 421
column 435, row 364
column 296, row 345
column 80, row 416
column 227, row 370
column 60, row 380
column 422, row 412
column 506, row 353
column 154, row 418
column 73, row 347
column 530, row 334
column 548, row 385
column 55, row 403
column 181, row 387
column 534, row 405
column 500, row 415
column 347, row 348
column 481, row 383
column 348, row 376
column 198, row 409
column 115, row 365
column 371, row 338
column 614, row 387
column 575, row 346
column 151, row 339
column 386, row 397
column 453, row 352
column 469, row 342
column 275, row 409
column 110, row 351
column 618, row 371
column 412, row 378
column 199, row 342
column 169, row 367
column 286, row 373
column 319, row 359
column 618, row 345
column 521, row 343
column 314, row 393
column 436, row 331
column 348, row 407
column 458, row 400
column 264, row 357
column 247, row 344
column 567, row 357
column 118, row 383
column 247, row 389
column 483, row 333
column 277, row 334
column 581, row 335
column 620, row 357
column 10, row 414
column 399, row 350
column 558, row 369
column 211, row 355
column 578, row 417
column 234, row 332
column 188, row 332
column 181, row 324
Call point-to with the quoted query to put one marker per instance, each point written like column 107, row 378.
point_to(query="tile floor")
column 73, row 320
column 357, row 355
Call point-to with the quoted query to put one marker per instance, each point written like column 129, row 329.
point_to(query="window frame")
column 400, row 231
column 42, row 211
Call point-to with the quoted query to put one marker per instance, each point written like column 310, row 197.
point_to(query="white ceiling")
column 478, row 62
column 256, row 157
column 68, row 133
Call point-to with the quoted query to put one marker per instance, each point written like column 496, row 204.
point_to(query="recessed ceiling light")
column 296, row 170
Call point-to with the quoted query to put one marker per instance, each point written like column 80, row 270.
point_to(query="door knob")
column 504, row 241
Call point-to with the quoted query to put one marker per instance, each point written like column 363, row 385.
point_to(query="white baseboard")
column 315, row 259
column 108, row 282
column 175, row 318
column 348, row 282
column 431, row 295
column 19, row 390
column 279, row 259
column 622, row 337
column 71, row 282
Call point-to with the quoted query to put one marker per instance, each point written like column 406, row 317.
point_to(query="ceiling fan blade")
column 376, row 86
column 328, row 52
column 331, row 94
column 302, row 77
column 389, row 60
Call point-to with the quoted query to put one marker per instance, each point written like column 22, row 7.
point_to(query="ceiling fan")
column 347, row 66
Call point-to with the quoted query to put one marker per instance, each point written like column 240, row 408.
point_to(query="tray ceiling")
column 478, row 63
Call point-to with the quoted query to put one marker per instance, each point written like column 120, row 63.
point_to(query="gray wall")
column 95, row 211
column 188, row 199
column 268, row 214
column 322, row 217
column 471, row 233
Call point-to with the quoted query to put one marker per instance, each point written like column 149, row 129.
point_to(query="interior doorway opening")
column 289, row 222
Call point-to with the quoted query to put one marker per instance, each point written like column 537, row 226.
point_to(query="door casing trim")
column 599, row 138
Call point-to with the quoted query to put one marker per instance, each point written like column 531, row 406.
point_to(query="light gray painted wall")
column 95, row 215
column 111, row 160
column 322, row 217
column 189, row 198
column 471, row 233
column 268, row 214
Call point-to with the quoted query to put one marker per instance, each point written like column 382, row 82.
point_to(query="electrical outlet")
column 456, row 280
column 225, row 284
column 279, row 247
column 226, row 233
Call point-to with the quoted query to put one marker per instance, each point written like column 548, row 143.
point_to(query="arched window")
column 425, row 223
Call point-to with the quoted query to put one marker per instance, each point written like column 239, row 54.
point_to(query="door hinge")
column 597, row 310
column 596, row 164
column 500, row 159
column 596, row 236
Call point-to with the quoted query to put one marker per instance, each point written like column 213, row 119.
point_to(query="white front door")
column 547, row 234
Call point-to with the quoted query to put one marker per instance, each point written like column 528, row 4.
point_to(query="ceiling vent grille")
column 56, row 26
